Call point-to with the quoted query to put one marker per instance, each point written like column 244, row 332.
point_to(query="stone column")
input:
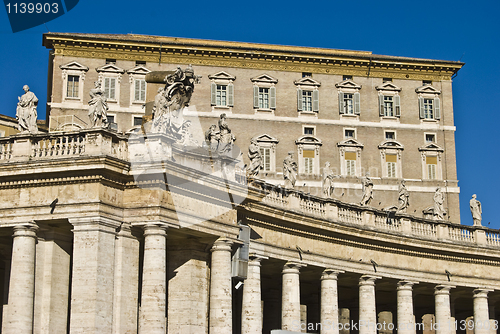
column 251, row 312
column 126, row 285
column 329, row 302
column 152, row 319
column 406, row 318
column 290, row 297
column 442, row 309
column 481, row 313
column 221, row 318
column 19, row 317
column 367, row 305
column 93, row 274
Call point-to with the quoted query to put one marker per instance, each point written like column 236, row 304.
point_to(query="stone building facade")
column 103, row 231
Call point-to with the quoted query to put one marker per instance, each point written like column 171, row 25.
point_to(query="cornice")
column 248, row 55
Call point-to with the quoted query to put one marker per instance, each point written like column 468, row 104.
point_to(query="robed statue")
column 98, row 108
column 475, row 209
column 26, row 113
column 289, row 171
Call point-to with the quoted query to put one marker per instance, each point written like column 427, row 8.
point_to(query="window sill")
column 72, row 99
column 391, row 119
column 308, row 114
column 429, row 120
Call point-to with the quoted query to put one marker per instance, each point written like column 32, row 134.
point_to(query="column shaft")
column 442, row 310
column 153, row 318
column 290, row 303
column 329, row 317
column 221, row 320
column 251, row 312
column 406, row 322
column 367, row 305
column 481, row 313
column 19, row 318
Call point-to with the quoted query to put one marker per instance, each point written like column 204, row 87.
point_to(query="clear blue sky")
column 448, row 30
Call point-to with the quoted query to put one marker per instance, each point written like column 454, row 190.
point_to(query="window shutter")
column 143, row 90
column 437, row 108
column 112, row 88
column 137, row 96
column 397, row 105
column 299, row 99
column 255, row 97
column 230, row 95
column 357, row 103
column 272, row 97
column 421, row 107
column 315, row 100
column 213, row 91
column 381, row 105
column 341, row 103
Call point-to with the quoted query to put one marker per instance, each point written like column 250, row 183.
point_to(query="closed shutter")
column 272, row 97
column 315, row 100
column 357, row 103
column 341, row 103
column 137, row 96
column 437, row 108
column 143, row 90
column 397, row 105
column 230, row 95
column 299, row 99
column 421, row 107
column 213, row 91
column 112, row 88
column 255, row 97
column 381, row 105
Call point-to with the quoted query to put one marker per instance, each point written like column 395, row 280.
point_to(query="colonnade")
column 18, row 317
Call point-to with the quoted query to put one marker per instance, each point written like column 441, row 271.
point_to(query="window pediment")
column 350, row 142
column 264, row 78
column 138, row 70
column 308, row 140
column 265, row 138
column 110, row 68
column 222, row 75
column 74, row 66
column 431, row 147
column 388, row 86
column 427, row 89
column 348, row 84
column 307, row 81
column 391, row 144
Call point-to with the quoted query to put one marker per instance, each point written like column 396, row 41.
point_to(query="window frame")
column 221, row 79
column 308, row 143
column 264, row 81
column 390, row 131
column 266, row 141
column 111, row 71
column 348, row 87
column 428, row 93
column 77, row 70
column 307, row 85
column 390, row 147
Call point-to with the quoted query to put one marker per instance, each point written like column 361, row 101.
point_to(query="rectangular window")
column 308, row 161
column 430, row 138
column 264, row 98
column 388, row 106
column 350, row 161
column 221, row 95
column 110, row 61
column 431, row 167
column 348, row 104
column 309, row 131
column 384, row 80
column 266, row 158
column 429, row 108
column 426, row 82
column 109, row 88
column 307, row 74
column 140, row 90
column 391, row 160
column 346, row 77
column 140, row 63
column 137, row 120
column 307, row 100
column 73, row 86
column 349, row 133
column 390, row 135
column 111, row 118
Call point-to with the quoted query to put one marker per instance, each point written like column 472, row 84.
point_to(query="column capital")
column 25, row 230
column 368, row 279
column 222, row 244
column 443, row 289
column 406, row 285
column 292, row 267
column 481, row 293
column 254, row 259
column 330, row 274
column 155, row 229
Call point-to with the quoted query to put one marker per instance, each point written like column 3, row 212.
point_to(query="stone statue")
column 98, row 108
column 255, row 157
column 171, row 101
column 475, row 209
column 226, row 139
column 327, row 184
column 26, row 111
column 367, row 190
column 212, row 137
column 289, row 171
column 439, row 211
column 404, row 198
